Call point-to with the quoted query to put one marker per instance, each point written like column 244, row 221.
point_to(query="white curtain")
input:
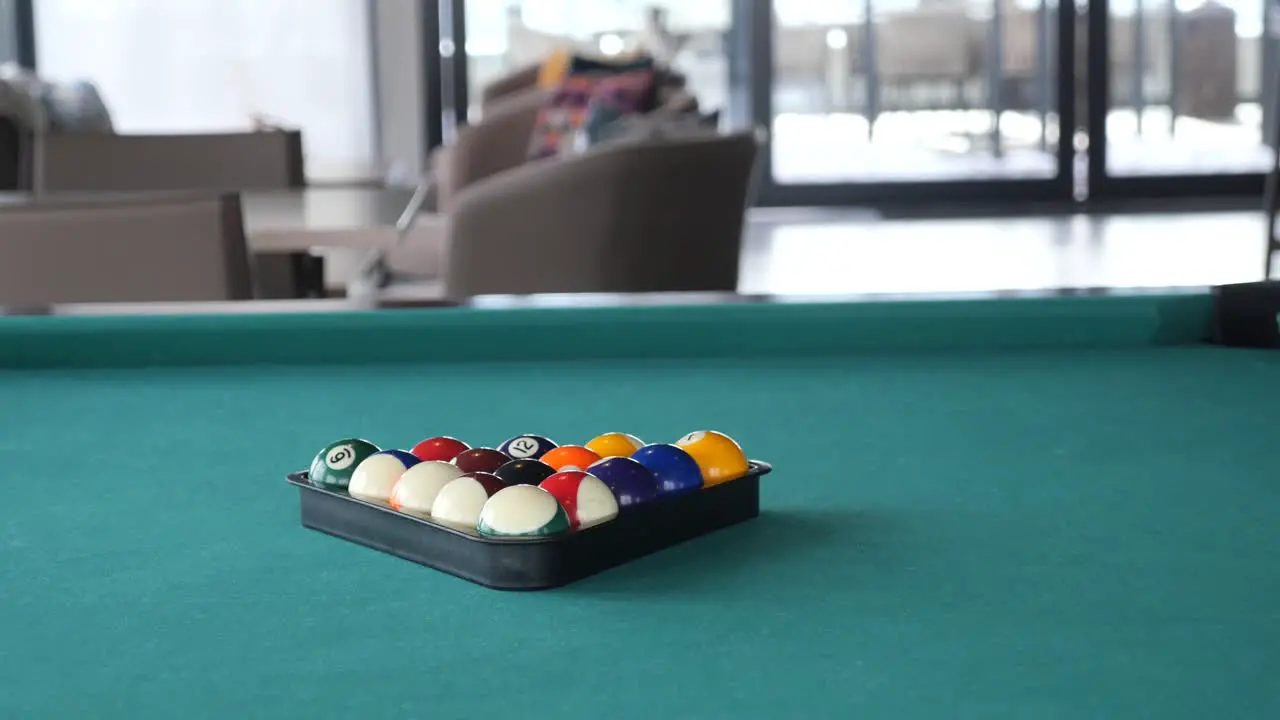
column 173, row 66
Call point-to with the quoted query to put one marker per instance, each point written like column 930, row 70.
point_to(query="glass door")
column 1179, row 91
column 884, row 101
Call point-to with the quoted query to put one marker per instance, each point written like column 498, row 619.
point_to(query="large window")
column 217, row 65
column 962, row 101
column 913, row 90
column 1187, row 87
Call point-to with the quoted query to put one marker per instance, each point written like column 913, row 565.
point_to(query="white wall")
column 398, row 71
column 212, row 65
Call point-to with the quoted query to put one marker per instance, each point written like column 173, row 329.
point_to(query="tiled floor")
column 823, row 252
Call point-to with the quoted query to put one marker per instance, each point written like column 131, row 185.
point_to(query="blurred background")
column 1020, row 143
column 859, row 91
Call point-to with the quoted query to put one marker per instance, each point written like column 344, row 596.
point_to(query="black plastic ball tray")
column 532, row 563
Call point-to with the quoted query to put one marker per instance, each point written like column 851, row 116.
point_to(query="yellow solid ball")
column 615, row 445
column 719, row 456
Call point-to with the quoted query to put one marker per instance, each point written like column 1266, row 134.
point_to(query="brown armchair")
column 514, row 83
column 659, row 215
column 498, row 142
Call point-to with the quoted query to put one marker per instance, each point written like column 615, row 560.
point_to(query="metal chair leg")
column 374, row 273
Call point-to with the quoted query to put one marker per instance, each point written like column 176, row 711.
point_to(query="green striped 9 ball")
column 333, row 466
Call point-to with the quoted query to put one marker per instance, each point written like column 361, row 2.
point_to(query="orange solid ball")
column 570, row 457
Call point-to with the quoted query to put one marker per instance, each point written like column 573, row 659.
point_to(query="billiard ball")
column 484, row 460
column 570, row 457
column 458, row 503
column 585, row 498
column 522, row 511
column 718, row 456
column 439, row 448
column 676, row 470
column 524, row 472
column 523, row 447
column 377, row 474
column 615, row 445
column 417, row 488
column 631, row 482
column 333, row 466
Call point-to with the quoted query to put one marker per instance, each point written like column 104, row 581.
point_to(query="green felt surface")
column 1038, row 533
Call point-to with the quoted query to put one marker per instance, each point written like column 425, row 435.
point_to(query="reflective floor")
column 799, row 252
column 956, row 145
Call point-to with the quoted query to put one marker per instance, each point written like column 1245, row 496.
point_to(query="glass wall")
column 1187, row 88
column 224, row 65
column 913, row 90
column 502, row 36
column 865, row 100
column 8, row 32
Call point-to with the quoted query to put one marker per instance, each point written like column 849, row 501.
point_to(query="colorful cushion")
column 618, row 97
column 565, row 111
column 554, row 69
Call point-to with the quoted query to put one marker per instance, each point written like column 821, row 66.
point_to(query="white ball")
column 596, row 502
column 417, row 488
column 377, row 474
column 458, row 503
column 522, row 511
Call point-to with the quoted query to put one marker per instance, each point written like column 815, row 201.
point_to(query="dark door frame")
column 20, row 22
column 454, row 65
column 432, row 79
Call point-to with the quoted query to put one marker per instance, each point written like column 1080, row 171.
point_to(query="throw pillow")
column 617, row 97
column 21, row 98
column 564, row 112
column 554, row 69
column 76, row 107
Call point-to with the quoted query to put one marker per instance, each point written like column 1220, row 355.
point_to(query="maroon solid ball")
column 490, row 482
column 483, row 460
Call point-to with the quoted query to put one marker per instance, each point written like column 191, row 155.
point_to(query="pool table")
column 1027, row 507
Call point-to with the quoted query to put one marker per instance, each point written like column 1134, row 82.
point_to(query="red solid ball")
column 443, row 449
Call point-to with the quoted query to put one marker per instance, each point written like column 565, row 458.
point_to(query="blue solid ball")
column 676, row 470
column 631, row 482
column 406, row 459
